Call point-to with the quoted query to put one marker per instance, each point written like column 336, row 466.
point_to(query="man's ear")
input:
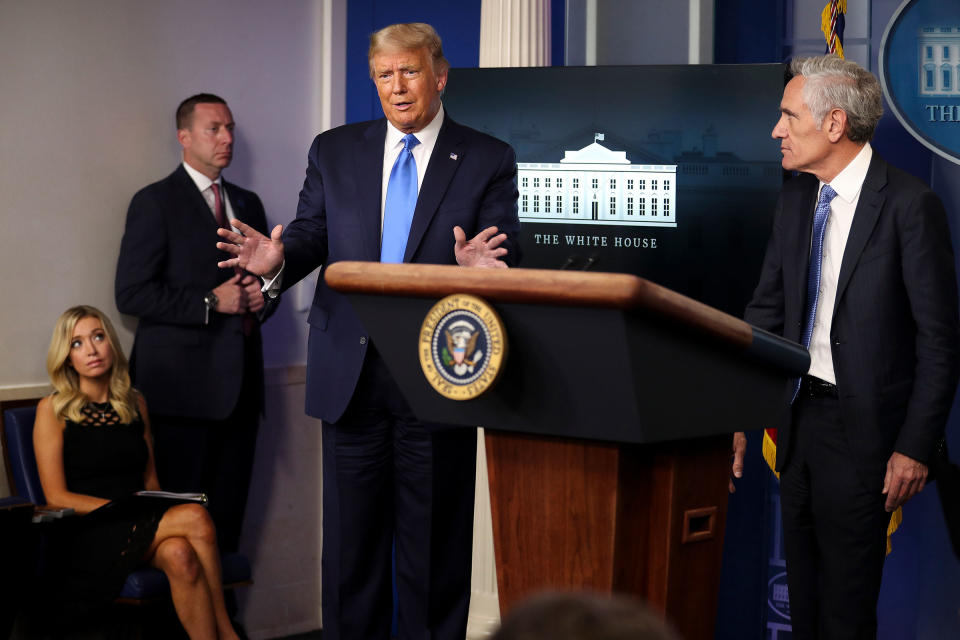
column 183, row 137
column 836, row 125
column 442, row 80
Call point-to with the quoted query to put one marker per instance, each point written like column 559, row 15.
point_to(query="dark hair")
column 185, row 110
column 582, row 616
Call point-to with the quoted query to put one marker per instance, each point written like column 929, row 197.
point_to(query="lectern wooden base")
column 646, row 520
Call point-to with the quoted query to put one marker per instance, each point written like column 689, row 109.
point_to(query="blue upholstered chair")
column 142, row 585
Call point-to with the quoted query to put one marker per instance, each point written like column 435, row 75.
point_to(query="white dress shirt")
column 393, row 144
column 848, row 185
column 203, row 183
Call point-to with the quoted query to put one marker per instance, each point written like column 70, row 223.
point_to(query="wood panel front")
column 643, row 520
column 554, row 505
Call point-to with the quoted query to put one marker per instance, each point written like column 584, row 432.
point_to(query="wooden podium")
column 607, row 436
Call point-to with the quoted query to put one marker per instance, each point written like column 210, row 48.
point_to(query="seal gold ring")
column 462, row 346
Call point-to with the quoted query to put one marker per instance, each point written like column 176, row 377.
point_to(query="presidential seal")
column 462, row 347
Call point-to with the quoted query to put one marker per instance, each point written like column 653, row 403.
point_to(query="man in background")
column 410, row 187
column 197, row 355
column 859, row 269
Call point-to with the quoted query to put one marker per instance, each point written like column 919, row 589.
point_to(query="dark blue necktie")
column 827, row 194
column 400, row 204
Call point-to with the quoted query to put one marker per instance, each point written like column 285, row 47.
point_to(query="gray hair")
column 835, row 83
column 408, row 36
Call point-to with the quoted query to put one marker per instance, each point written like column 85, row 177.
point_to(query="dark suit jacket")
column 894, row 334
column 168, row 262
column 470, row 181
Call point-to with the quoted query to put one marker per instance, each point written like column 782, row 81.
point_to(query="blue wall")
column 458, row 24
column 746, row 31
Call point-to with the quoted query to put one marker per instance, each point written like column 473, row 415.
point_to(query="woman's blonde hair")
column 68, row 400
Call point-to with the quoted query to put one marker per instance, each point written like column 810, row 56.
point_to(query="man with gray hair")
column 409, row 187
column 860, row 270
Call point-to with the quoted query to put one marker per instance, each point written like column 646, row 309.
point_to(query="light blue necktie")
column 400, row 204
column 827, row 194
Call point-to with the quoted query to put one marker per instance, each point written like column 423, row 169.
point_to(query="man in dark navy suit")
column 411, row 187
column 860, row 270
column 197, row 355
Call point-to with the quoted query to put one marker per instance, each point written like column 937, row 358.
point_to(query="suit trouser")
column 834, row 529
column 213, row 456
column 386, row 474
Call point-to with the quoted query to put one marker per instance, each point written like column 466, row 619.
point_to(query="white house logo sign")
column 920, row 73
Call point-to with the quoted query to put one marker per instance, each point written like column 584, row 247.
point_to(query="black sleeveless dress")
column 94, row 552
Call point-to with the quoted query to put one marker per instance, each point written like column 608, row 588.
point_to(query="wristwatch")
column 209, row 303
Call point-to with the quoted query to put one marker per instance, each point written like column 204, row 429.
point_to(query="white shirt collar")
column 848, row 182
column 203, row 182
column 427, row 135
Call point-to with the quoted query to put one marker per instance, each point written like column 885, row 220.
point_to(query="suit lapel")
column 196, row 211
column 191, row 198
column 864, row 220
column 800, row 227
column 237, row 201
column 368, row 161
column 446, row 157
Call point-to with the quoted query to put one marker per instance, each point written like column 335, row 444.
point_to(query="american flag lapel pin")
column 453, row 156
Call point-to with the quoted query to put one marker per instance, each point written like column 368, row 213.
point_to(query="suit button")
column 363, row 339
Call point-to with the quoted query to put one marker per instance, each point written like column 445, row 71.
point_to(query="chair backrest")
column 18, row 424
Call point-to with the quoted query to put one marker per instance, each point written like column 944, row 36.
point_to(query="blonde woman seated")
column 93, row 445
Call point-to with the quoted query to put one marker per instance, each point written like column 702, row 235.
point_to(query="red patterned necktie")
column 218, row 206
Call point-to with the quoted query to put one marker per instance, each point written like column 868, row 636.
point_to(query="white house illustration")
column 596, row 185
column 939, row 61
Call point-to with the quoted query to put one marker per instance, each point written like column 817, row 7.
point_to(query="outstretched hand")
column 483, row 250
column 252, row 251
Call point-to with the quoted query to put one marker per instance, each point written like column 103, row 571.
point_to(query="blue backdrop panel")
column 458, row 24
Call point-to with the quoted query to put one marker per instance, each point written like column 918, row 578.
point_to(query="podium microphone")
column 592, row 260
column 568, row 262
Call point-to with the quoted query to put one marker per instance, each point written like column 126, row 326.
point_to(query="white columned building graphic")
column 595, row 185
column 939, row 61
